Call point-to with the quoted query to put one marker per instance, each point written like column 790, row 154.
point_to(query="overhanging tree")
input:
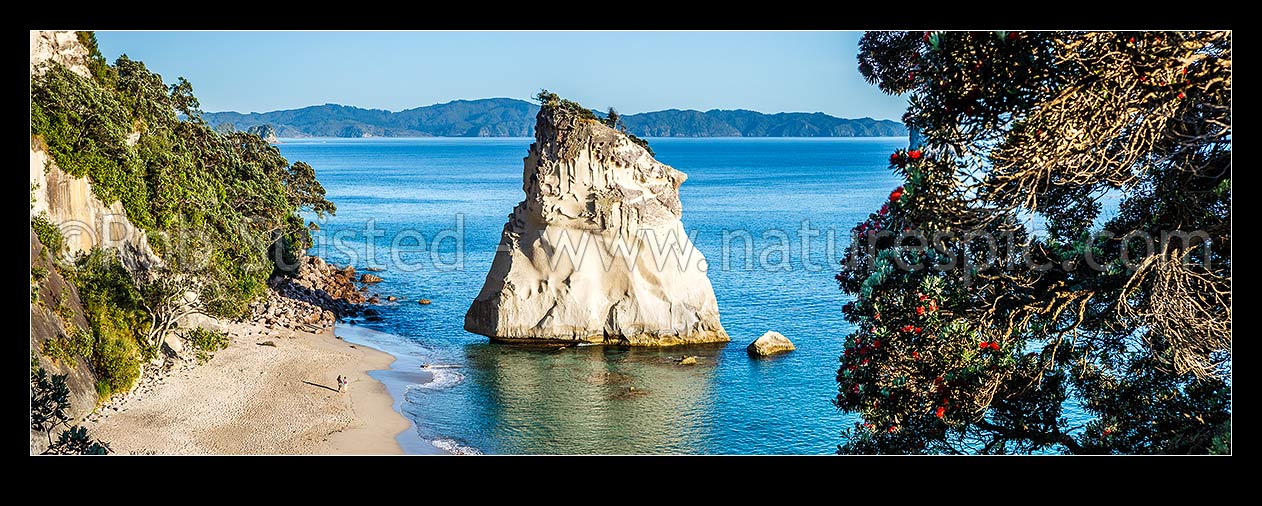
column 991, row 291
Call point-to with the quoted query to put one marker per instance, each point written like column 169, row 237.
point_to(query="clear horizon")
column 767, row 72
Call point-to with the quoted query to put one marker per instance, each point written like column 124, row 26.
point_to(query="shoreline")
column 255, row 398
column 402, row 373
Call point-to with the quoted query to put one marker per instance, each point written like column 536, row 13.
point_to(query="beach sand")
column 257, row 399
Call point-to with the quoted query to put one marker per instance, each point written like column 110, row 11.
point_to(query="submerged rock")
column 688, row 361
column 596, row 251
column 770, row 343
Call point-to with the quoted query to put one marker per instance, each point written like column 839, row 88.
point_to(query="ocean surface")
column 430, row 212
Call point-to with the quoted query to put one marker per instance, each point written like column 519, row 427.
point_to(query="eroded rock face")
column 596, row 252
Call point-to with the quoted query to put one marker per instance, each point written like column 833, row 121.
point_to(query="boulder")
column 370, row 278
column 392, row 298
column 689, row 360
column 174, row 343
column 770, row 343
column 423, row 302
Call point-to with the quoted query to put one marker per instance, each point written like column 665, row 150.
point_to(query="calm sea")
column 430, row 212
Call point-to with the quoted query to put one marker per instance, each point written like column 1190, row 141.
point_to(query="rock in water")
column 689, row 360
column 770, row 343
column 370, row 278
column 596, row 252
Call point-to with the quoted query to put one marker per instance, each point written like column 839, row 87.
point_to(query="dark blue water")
column 430, row 212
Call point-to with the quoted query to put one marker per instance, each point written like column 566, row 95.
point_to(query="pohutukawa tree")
column 1062, row 238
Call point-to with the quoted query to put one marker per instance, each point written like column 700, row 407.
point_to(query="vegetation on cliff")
column 975, row 330
column 219, row 208
column 612, row 120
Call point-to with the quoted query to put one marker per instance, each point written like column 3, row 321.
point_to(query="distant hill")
column 506, row 117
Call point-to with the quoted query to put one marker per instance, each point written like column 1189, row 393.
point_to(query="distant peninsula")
column 507, row 117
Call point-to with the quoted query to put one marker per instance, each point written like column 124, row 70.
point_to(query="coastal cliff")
column 156, row 243
column 596, row 251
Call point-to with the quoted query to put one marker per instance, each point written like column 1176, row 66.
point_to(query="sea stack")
column 596, row 251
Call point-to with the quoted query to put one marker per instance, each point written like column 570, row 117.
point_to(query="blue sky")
column 632, row 71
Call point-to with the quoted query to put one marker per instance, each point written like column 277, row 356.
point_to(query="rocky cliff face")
column 84, row 220
column 55, row 294
column 596, row 252
column 62, row 47
column 68, row 201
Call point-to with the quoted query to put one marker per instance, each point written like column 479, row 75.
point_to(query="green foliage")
column 643, row 143
column 49, row 234
column 1222, row 442
column 613, row 120
column 68, row 348
column 214, row 204
column 962, row 347
column 50, row 399
column 38, row 275
column 549, row 100
column 100, row 70
column 116, row 318
column 206, row 342
column 76, row 441
column 116, row 362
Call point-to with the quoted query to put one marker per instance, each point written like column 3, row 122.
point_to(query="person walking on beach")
column 341, row 383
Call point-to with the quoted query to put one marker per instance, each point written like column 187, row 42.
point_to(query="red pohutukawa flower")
column 908, row 328
column 894, row 157
column 940, row 411
column 920, row 310
column 917, row 330
column 915, row 355
column 896, row 194
column 914, row 154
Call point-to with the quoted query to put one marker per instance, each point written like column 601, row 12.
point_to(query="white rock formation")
column 770, row 343
column 84, row 220
column 62, row 47
column 596, row 252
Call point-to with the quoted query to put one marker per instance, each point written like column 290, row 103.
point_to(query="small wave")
column 454, row 447
column 441, row 366
column 443, row 379
column 581, row 345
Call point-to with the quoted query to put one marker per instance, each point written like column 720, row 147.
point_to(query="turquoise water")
column 430, row 212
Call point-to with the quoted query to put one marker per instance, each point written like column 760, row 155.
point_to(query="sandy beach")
column 253, row 398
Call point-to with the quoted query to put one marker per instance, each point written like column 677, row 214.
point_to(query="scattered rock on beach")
column 770, row 343
column 268, row 343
